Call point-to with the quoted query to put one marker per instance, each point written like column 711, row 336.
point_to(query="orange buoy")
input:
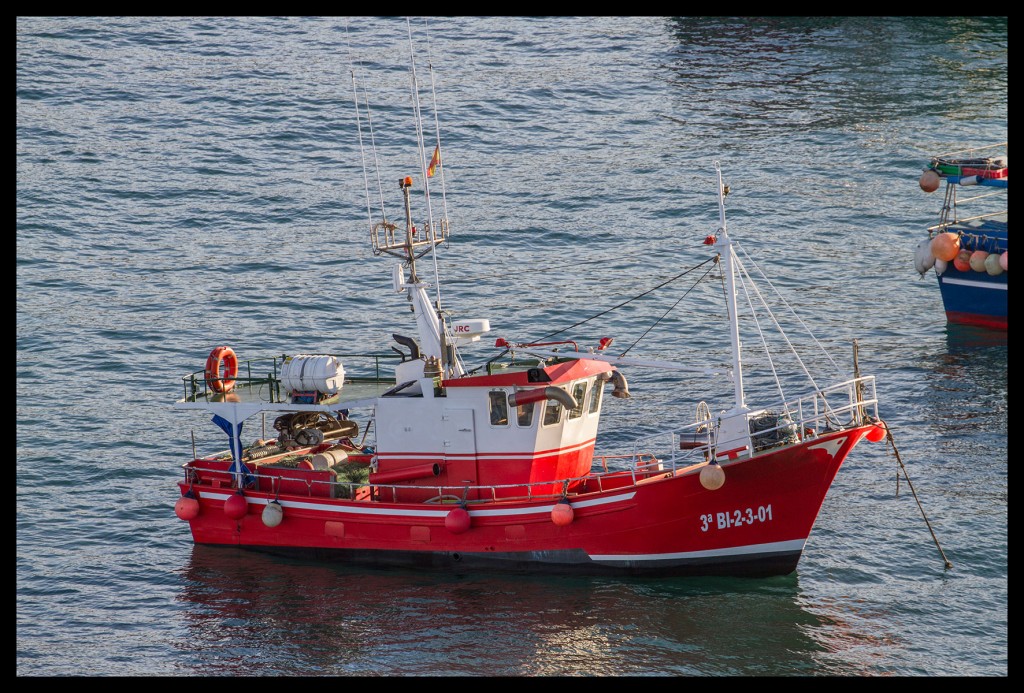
column 562, row 514
column 963, row 261
column 929, row 181
column 712, row 476
column 221, row 359
column 457, row 521
column 187, row 507
column 977, row 261
column 877, row 432
column 945, row 246
column 236, row 506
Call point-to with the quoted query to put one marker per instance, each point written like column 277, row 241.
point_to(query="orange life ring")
column 221, row 358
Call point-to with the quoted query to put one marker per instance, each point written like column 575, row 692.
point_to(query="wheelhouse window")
column 595, row 395
column 499, row 407
column 579, row 393
column 524, row 417
column 552, row 412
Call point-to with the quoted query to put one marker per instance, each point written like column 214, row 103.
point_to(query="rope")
column 605, row 312
column 685, row 294
column 888, row 435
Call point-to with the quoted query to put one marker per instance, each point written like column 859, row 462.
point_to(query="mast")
column 730, row 283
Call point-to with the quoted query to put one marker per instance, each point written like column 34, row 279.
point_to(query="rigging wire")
column 745, row 278
column 795, row 315
column 685, row 294
column 376, row 159
column 437, row 129
column 359, row 129
column 605, row 312
column 792, row 348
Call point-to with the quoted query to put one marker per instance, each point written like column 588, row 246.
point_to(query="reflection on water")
column 250, row 613
column 967, row 339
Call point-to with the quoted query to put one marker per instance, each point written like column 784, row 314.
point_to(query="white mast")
column 734, row 325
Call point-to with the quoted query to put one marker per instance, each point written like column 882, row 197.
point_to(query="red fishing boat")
column 426, row 462
column 495, row 467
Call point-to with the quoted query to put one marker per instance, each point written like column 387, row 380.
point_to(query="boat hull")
column 662, row 524
column 974, row 298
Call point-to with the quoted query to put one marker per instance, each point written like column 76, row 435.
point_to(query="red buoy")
column 236, row 506
column 457, row 521
column 562, row 513
column 187, row 507
column 962, row 261
column 877, row 433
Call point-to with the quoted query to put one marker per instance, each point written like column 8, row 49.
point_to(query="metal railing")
column 845, row 405
column 254, row 374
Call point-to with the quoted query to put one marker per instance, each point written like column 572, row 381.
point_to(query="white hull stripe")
column 774, row 547
column 437, row 514
column 976, row 285
column 517, row 455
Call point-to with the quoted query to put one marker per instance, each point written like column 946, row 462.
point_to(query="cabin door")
column 459, row 447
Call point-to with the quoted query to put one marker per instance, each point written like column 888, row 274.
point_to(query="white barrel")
column 308, row 373
column 329, row 458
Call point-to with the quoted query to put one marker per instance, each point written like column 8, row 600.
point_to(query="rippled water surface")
column 188, row 182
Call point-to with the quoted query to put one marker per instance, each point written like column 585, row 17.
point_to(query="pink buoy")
column 1002, row 261
column 876, row 433
column 187, row 507
column 562, row 514
column 929, row 181
column 236, row 506
column 977, row 260
column 457, row 521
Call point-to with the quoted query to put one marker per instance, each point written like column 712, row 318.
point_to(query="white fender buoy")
column 924, row 260
column 992, row 265
column 712, row 476
column 273, row 514
column 940, row 266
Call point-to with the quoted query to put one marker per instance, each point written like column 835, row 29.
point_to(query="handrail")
column 642, row 467
column 805, row 417
column 196, row 388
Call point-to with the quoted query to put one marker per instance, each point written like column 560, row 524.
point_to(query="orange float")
column 929, row 181
column 945, row 246
column 221, row 369
column 562, row 514
column 963, row 261
column 187, row 507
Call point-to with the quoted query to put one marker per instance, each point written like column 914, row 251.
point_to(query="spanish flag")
column 434, row 161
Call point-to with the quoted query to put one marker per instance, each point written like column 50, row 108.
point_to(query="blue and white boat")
column 968, row 247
